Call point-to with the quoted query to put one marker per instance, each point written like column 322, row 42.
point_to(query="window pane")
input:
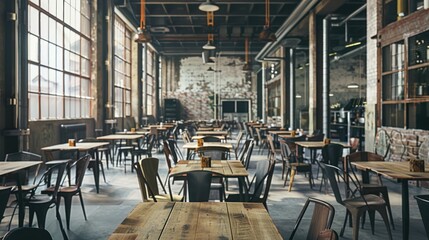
column 419, row 49
column 44, row 101
column 393, row 86
column 393, row 115
column 33, row 78
column 33, row 21
column 33, row 48
column 44, row 23
column 34, row 106
column 44, row 58
column 393, row 57
column 418, row 82
column 44, row 80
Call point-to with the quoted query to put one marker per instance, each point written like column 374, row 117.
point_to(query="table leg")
column 188, row 154
column 405, row 210
column 20, row 198
column 244, row 193
column 97, row 172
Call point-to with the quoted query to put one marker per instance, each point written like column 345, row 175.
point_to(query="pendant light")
column 266, row 34
column 210, row 24
column 142, row 35
column 247, row 66
column 208, row 6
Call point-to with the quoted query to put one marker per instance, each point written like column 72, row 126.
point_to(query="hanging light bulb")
column 208, row 6
column 266, row 34
column 142, row 35
column 210, row 23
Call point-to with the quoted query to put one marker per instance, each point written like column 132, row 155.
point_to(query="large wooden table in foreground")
column 207, row 220
column 401, row 172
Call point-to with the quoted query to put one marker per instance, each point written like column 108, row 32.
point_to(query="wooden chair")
column 28, row 233
column 261, row 182
column 327, row 234
column 323, row 215
column 356, row 205
column 291, row 166
column 262, row 140
column 139, row 151
column 423, row 202
column 366, row 187
column 147, row 175
column 69, row 192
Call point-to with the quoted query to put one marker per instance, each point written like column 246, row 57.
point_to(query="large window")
column 150, row 83
column 122, row 69
column 59, row 59
column 405, row 83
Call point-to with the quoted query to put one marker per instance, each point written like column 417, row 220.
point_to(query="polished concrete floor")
column 120, row 194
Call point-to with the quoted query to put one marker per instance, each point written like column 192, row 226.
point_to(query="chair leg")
column 30, row 216
column 83, row 206
column 102, row 171
column 371, row 214
column 283, row 169
column 41, row 216
column 67, row 207
column 383, row 214
column 287, row 173
column 345, row 222
column 355, row 219
column 292, row 176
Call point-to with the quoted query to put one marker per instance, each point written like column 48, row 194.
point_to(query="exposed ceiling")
column 180, row 28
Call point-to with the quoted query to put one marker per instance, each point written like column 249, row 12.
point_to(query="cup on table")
column 200, row 142
column 133, row 130
column 72, row 142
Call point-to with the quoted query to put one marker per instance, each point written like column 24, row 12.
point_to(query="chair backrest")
column 81, row 166
column 175, row 151
column 332, row 153
column 28, row 233
column 263, row 177
column 423, row 202
column 149, row 167
column 258, row 133
column 199, row 185
column 4, row 198
column 248, row 154
column 47, row 175
column 331, row 173
column 238, row 139
column 186, row 136
column 168, row 155
column 323, row 215
column 216, row 153
column 316, row 138
column 243, row 150
column 24, row 156
column 212, row 139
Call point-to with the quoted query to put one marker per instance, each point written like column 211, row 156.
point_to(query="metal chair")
column 199, row 183
column 331, row 153
column 321, row 219
column 423, row 202
column 4, row 198
column 28, row 233
column 356, row 205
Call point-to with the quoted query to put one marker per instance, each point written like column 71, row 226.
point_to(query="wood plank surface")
column 213, row 222
column 317, row 145
column 194, row 145
column 121, row 137
column 85, row 146
column 395, row 170
column 182, row 223
column 11, row 167
column 228, row 168
column 146, row 221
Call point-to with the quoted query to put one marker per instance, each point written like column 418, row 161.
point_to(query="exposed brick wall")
column 194, row 86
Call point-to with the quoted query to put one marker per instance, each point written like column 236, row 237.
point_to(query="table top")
column 199, row 137
column 194, row 145
column 318, row 144
column 85, row 146
column 10, row 167
column 228, row 168
column 280, row 132
column 396, row 170
column 121, row 137
column 219, row 133
column 138, row 132
column 205, row 129
column 205, row 220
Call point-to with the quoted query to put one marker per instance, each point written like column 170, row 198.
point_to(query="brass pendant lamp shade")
column 142, row 35
column 266, row 34
column 208, row 6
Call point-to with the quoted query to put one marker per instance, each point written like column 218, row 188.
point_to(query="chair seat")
column 25, row 188
column 69, row 189
column 300, row 166
column 40, row 199
column 358, row 202
column 166, row 198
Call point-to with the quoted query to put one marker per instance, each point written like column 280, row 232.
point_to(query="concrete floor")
column 121, row 193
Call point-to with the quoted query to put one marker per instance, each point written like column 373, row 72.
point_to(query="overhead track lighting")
column 142, row 35
column 208, row 6
column 266, row 34
column 353, row 86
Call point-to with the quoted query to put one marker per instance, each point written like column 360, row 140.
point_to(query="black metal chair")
column 27, row 233
column 321, row 219
column 199, row 183
column 4, row 198
column 331, row 153
column 423, row 202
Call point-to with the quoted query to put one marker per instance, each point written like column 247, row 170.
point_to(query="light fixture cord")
column 267, row 13
column 142, row 14
column 210, row 23
column 246, row 50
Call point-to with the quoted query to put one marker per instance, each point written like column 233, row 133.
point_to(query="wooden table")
column 80, row 147
column 14, row 168
column 401, row 172
column 314, row 146
column 212, row 133
column 206, row 220
column 113, row 137
column 190, row 146
column 228, row 168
